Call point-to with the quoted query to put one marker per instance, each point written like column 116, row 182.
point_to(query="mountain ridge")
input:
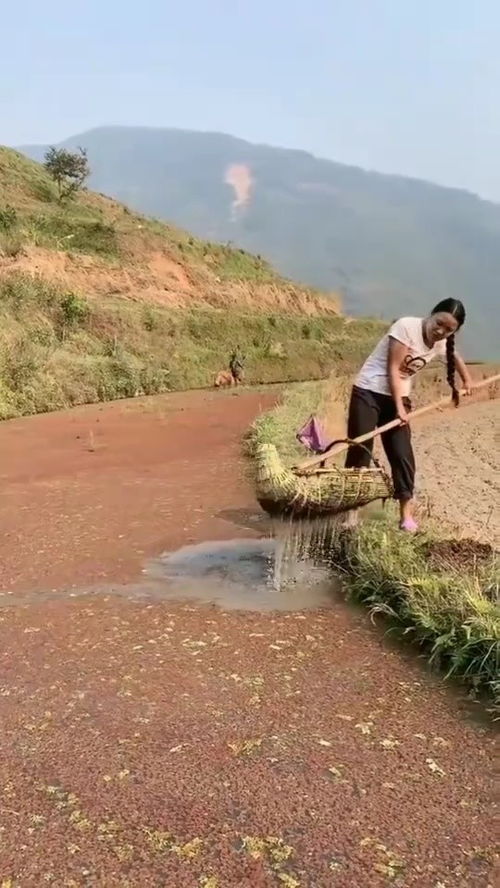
column 40, row 148
column 390, row 244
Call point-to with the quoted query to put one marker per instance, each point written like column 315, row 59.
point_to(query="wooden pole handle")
column 341, row 446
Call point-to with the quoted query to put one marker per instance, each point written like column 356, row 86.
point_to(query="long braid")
column 450, row 369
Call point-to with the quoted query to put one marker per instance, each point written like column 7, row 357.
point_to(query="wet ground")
column 251, row 575
column 151, row 741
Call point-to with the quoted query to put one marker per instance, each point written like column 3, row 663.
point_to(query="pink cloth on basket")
column 312, row 436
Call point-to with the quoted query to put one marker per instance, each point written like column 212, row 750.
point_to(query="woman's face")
column 440, row 326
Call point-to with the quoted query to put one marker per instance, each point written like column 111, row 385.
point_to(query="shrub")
column 73, row 310
column 8, row 218
column 81, row 234
column 11, row 244
column 68, row 169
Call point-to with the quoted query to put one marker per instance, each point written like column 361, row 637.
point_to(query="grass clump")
column 231, row 263
column 66, row 231
column 453, row 615
column 8, row 218
column 11, row 244
column 279, row 426
column 450, row 611
column 23, row 181
column 11, row 241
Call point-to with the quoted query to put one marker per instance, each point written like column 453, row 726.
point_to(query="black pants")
column 367, row 411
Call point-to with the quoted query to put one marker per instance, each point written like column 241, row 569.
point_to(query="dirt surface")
column 458, row 458
column 458, row 554
column 171, row 745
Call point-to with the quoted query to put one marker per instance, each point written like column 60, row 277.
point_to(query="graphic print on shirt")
column 410, row 365
column 374, row 375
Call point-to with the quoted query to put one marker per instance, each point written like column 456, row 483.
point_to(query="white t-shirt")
column 374, row 372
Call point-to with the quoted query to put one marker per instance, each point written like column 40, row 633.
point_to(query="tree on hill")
column 68, row 169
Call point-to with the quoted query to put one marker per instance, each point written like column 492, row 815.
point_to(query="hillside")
column 388, row 244
column 98, row 302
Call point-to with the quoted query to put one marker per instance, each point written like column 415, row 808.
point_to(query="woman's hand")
column 403, row 414
column 464, row 374
column 398, row 352
column 468, row 385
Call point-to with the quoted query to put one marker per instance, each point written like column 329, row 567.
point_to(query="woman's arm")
column 397, row 354
column 461, row 368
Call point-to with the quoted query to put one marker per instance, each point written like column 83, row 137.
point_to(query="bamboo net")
column 324, row 492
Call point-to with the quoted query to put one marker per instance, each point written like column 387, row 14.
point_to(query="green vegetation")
column 279, row 426
column 59, row 348
column 65, row 232
column 22, row 181
column 452, row 613
column 8, row 218
column 228, row 262
column 31, row 213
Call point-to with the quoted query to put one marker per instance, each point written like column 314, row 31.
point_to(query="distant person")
column 237, row 365
column 382, row 388
column 224, row 378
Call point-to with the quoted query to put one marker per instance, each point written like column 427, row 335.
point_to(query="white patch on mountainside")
column 239, row 176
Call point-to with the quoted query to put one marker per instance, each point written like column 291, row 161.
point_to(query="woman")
column 382, row 388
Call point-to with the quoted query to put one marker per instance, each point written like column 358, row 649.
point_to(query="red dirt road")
column 88, row 495
column 171, row 745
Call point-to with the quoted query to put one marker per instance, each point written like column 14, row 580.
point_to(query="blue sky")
column 403, row 86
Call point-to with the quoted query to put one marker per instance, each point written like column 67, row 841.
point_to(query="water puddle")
column 289, row 571
column 245, row 574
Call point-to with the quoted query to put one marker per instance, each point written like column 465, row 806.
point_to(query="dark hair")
column 455, row 308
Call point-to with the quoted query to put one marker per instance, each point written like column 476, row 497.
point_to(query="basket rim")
column 372, row 471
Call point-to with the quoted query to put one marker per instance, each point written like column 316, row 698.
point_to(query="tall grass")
column 453, row 615
column 67, row 231
column 279, row 426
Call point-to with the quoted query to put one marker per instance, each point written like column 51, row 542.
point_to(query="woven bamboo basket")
column 326, row 491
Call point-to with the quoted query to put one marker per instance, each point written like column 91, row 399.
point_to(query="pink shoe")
column 409, row 525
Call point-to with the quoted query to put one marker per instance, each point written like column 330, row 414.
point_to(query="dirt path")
column 160, row 744
column 459, row 467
